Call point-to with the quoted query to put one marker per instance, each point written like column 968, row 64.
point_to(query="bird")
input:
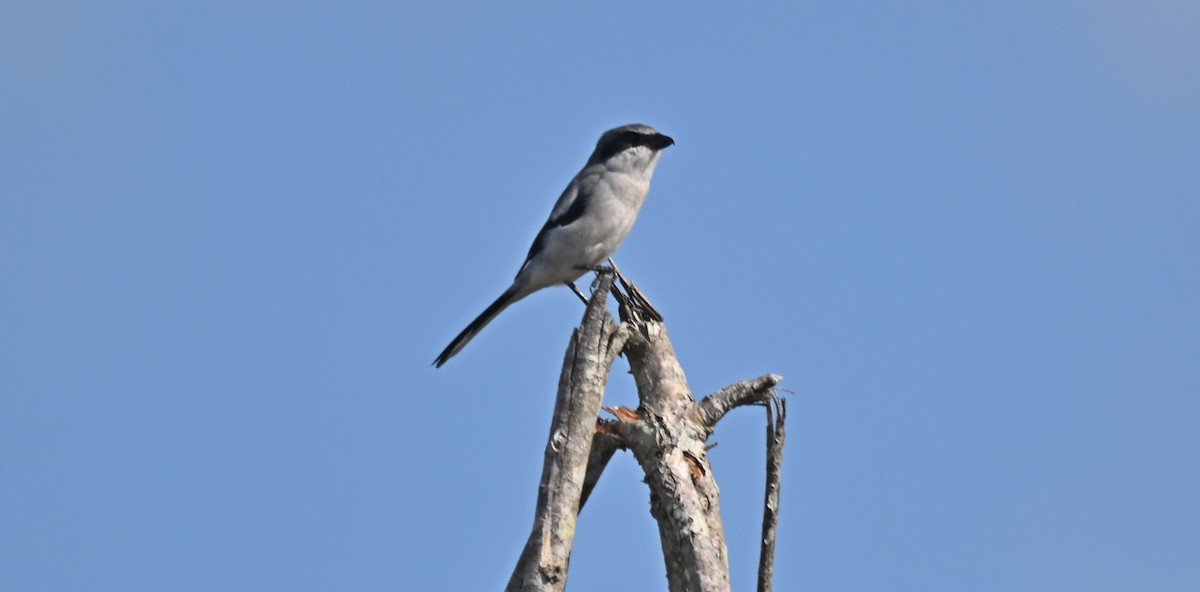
column 588, row 222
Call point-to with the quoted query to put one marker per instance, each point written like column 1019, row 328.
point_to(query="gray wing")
column 570, row 207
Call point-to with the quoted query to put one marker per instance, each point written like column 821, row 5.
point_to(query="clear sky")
column 234, row 235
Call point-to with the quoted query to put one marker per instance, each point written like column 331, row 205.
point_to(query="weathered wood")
column 775, row 437
column 713, row 407
column 668, row 441
column 605, row 444
column 667, row 434
column 544, row 560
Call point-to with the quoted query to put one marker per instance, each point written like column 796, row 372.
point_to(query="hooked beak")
column 661, row 141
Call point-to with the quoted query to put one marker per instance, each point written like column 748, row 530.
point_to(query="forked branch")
column 667, row 435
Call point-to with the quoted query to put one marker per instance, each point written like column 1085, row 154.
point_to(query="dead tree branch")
column 775, row 436
column 605, row 444
column 668, row 443
column 713, row 407
column 667, row 435
column 543, row 563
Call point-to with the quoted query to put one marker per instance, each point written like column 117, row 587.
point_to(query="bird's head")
column 635, row 144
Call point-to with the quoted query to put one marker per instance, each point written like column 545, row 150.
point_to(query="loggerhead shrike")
column 588, row 222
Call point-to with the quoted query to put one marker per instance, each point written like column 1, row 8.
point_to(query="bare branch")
column 713, row 407
column 775, row 436
column 668, row 443
column 616, row 343
column 543, row 563
column 667, row 434
column 605, row 443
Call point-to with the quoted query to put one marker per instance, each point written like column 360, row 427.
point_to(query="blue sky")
column 233, row 236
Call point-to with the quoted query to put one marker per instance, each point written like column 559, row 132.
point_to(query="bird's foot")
column 595, row 268
column 632, row 302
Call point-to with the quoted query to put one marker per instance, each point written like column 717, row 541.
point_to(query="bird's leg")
column 575, row 289
column 599, row 269
column 616, row 292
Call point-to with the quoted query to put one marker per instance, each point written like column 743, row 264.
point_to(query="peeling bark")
column 668, row 442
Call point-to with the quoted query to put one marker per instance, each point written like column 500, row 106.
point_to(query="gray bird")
column 587, row 224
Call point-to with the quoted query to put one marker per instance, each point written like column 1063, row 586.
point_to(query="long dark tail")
column 508, row 297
